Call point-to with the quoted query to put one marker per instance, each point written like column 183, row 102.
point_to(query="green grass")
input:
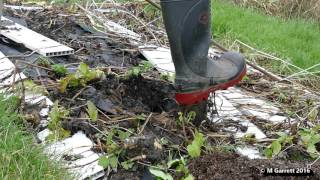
column 296, row 39
column 20, row 158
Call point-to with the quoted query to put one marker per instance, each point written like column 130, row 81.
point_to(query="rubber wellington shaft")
column 188, row 25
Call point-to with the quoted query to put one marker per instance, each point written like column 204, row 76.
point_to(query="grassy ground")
column 19, row 157
column 295, row 39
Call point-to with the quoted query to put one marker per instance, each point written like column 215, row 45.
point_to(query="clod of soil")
column 153, row 93
column 232, row 166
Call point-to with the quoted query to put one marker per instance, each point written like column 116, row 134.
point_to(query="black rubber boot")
column 188, row 27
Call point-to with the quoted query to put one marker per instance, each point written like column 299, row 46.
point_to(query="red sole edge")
column 198, row 96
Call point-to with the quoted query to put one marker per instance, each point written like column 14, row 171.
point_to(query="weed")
column 182, row 119
column 194, row 149
column 308, row 139
column 109, row 161
column 275, row 147
column 59, row 70
column 249, row 138
column 134, row 71
column 92, row 111
column 127, row 165
column 180, row 166
column 31, row 87
column 114, row 151
column 167, row 77
column 151, row 12
column 143, row 67
column 56, row 116
column 141, row 117
column 81, row 77
column 43, row 61
column 159, row 174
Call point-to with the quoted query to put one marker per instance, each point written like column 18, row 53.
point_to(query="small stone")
column 107, row 106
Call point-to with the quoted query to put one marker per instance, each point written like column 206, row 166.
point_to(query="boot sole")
column 198, row 96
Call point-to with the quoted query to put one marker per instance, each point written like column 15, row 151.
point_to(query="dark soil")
column 232, row 166
column 122, row 99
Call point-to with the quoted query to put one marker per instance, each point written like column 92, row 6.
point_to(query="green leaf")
column 311, row 149
column 113, row 161
column 110, row 160
column 146, row 66
column 245, row 78
column 191, row 116
column 194, row 149
column 276, row 147
column 58, row 134
column 284, row 138
column 305, row 139
column 141, row 117
column 56, row 114
column 173, row 163
column 92, row 111
column 104, row 161
column 308, row 138
column 315, row 139
column 83, row 69
column 63, row 84
column 127, row 165
column 59, row 69
column 160, row 174
column 123, row 134
column 109, row 137
column 273, row 149
column 33, row 88
column 268, row 152
column 189, row 177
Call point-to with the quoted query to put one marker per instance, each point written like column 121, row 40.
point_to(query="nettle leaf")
column 194, row 149
column 315, row 139
column 305, row 138
column 127, row 165
column 104, row 161
column 284, row 138
column 308, row 138
column 109, row 137
column 113, row 162
column 311, row 149
column 160, row 174
column 273, row 149
column 268, row 152
column 123, row 134
column 92, row 111
column 276, row 147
